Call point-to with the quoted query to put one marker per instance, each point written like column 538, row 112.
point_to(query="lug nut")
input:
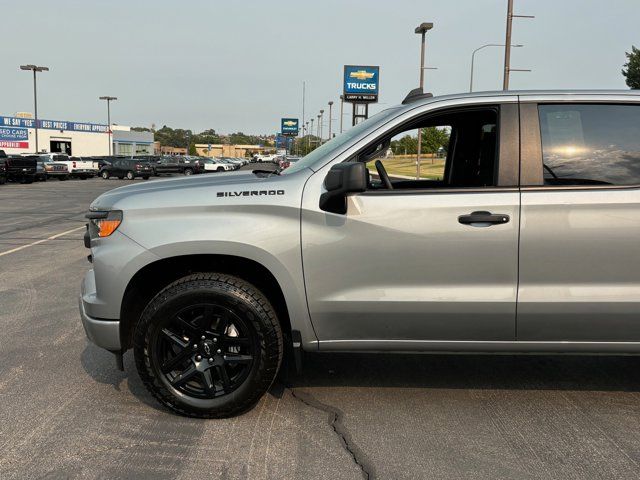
column 211, row 360
column 198, row 357
column 218, row 351
column 202, row 337
column 215, row 340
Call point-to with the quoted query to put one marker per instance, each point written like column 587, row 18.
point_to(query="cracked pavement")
column 66, row 412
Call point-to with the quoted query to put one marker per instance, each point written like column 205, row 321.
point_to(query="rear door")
column 580, row 231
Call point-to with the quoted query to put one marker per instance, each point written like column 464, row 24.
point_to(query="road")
column 66, row 412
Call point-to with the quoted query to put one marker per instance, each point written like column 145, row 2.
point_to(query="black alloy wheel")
column 209, row 345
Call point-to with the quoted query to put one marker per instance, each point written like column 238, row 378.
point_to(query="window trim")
column 531, row 168
column 508, row 162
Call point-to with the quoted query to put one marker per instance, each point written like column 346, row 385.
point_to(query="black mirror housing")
column 342, row 179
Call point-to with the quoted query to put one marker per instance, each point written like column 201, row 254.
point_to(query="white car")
column 214, row 165
column 264, row 158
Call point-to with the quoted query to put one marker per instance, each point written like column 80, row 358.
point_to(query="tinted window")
column 590, row 144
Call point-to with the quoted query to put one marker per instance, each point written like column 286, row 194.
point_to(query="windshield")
column 335, row 143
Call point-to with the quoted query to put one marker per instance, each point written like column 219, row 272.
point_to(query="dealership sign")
column 14, row 137
column 289, row 126
column 52, row 125
column 361, row 83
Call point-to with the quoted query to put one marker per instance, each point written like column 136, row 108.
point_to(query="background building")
column 129, row 142
column 220, row 150
column 18, row 134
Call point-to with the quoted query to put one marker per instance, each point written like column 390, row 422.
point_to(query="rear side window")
column 590, row 144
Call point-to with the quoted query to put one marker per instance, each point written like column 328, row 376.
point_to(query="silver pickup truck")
column 524, row 237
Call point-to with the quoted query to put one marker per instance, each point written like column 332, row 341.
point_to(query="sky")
column 239, row 65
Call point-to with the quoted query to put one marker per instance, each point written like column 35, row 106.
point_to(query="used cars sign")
column 361, row 83
column 14, row 137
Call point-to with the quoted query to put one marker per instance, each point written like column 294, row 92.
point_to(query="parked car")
column 263, row 157
column 214, row 165
column 77, row 166
column 526, row 242
column 127, row 168
column 287, row 161
column 3, row 174
column 175, row 164
column 235, row 161
column 19, row 168
column 53, row 169
column 233, row 165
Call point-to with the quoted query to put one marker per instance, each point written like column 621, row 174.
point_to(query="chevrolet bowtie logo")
column 289, row 123
column 361, row 75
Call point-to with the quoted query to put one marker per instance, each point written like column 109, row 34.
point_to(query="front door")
column 580, row 238
column 409, row 264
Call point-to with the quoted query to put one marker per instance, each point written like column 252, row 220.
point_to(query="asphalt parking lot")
column 66, row 412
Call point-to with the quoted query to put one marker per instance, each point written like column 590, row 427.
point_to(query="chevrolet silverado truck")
column 77, row 167
column 523, row 238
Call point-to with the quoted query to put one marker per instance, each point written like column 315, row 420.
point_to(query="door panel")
column 580, row 266
column 401, row 266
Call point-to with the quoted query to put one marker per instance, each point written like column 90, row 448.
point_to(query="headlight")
column 103, row 224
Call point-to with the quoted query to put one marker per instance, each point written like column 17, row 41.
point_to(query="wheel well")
column 146, row 283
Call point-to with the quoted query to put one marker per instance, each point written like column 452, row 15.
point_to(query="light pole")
column 109, row 100
column 318, row 129
column 330, row 107
column 311, row 131
column 421, row 29
column 35, row 69
column 341, row 111
column 306, row 128
column 507, row 46
column 473, row 55
column 320, row 122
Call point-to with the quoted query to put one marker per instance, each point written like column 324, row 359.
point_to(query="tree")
column 433, row 138
column 632, row 68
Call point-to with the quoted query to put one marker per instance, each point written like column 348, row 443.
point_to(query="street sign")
column 289, row 126
column 361, row 83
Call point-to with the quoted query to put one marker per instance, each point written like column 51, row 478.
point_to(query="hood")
column 167, row 191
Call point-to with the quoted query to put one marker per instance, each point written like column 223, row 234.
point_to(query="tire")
column 82, row 177
column 131, row 175
column 219, row 169
column 188, row 171
column 145, row 178
column 105, row 175
column 236, row 309
column 63, row 177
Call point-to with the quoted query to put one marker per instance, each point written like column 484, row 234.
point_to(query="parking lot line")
column 52, row 237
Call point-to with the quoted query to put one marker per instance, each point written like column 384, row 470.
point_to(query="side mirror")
column 342, row 179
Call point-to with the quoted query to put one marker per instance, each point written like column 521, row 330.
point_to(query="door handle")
column 483, row 219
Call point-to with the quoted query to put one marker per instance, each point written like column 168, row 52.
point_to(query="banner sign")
column 52, row 125
column 361, row 83
column 14, row 137
column 289, row 126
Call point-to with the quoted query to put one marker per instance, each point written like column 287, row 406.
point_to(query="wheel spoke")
column 185, row 376
column 209, row 386
column 176, row 339
column 223, row 323
column 187, row 326
column 224, row 378
column 172, row 363
column 233, row 358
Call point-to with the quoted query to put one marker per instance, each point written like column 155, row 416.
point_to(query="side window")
column 587, row 144
column 459, row 149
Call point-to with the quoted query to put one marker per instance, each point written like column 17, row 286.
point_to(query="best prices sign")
column 14, row 137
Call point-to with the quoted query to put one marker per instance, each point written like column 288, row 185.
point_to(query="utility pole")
column 341, row 111
column 473, row 56
column 109, row 100
column 35, row 69
column 507, row 46
column 421, row 29
column 304, row 87
column 330, row 107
